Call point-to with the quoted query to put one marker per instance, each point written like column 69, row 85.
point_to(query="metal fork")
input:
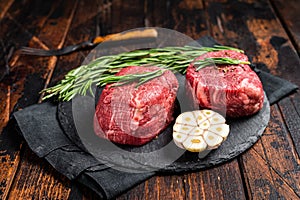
column 56, row 52
column 136, row 34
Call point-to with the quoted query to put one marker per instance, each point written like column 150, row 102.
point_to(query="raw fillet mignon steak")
column 234, row 90
column 135, row 115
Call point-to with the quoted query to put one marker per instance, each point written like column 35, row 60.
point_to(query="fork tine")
column 55, row 52
column 34, row 51
column 149, row 33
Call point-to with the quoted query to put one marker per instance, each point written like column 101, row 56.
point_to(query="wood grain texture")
column 253, row 26
column 31, row 15
column 189, row 17
column 126, row 15
column 182, row 18
column 264, row 182
column 292, row 121
column 267, row 30
column 36, row 179
column 288, row 14
column 13, row 92
column 30, row 77
column 56, row 27
column 9, row 156
column 276, row 147
column 166, row 187
column 83, row 27
column 4, row 6
column 160, row 187
column 220, row 182
column 153, row 15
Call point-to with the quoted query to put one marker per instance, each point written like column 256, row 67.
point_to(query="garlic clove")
column 200, row 131
column 186, row 118
column 208, row 113
column 220, row 129
column 200, row 117
column 205, row 125
column 212, row 140
column 196, row 131
column 182, row 128
column 195, row 144
column 179, row 138
column 217, row 119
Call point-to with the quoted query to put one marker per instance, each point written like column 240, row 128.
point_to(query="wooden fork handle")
column 138, row 34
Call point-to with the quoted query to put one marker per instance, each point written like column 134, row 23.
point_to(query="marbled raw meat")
column 234, row 90
column 135, row 115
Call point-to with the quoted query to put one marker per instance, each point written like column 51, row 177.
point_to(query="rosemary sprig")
column 217, row 61
column 102, row 70
column 140, row 78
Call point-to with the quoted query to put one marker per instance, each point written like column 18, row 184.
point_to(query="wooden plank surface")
column 221, row 182
column 267, row 31
column 252, row 26
column 188, row 17
column 26, row 73
column 158, row 187
column 126, row 15
column 288, row 14
column 13, row 91
column 4, row 6
column 84, row 27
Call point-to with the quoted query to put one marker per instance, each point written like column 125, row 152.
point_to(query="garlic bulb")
column 200, row 130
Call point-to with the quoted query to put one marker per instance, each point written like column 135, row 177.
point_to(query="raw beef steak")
column 234, row 90
column 135, row 115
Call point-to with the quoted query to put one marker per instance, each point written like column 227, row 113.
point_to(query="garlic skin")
column 200, row 131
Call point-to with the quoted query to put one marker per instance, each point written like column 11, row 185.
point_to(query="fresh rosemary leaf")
column 140, row 78
column 228, row 48
column 217, row 61
column 102, row 70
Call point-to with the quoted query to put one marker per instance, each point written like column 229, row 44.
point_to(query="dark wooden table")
column 269, row 31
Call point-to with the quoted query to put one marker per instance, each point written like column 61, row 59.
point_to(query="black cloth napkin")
column 39, row 126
